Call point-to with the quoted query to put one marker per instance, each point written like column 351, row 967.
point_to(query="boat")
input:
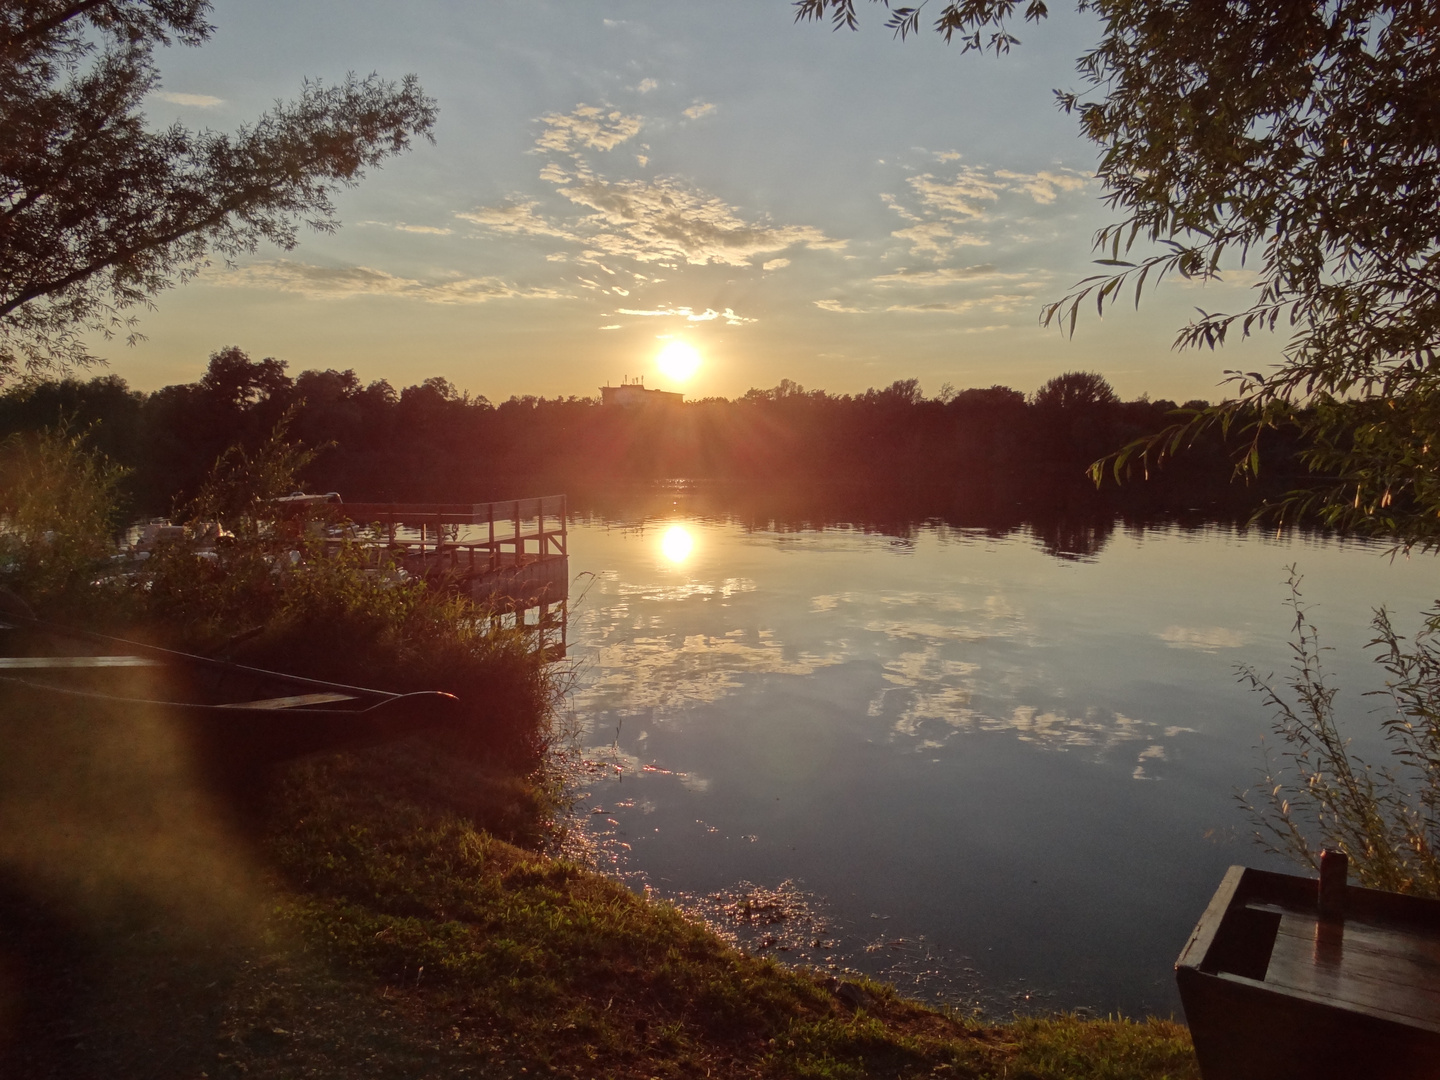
column 237, row 717
column 1289, row 977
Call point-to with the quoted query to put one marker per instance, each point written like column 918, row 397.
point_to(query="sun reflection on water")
column 676, row 544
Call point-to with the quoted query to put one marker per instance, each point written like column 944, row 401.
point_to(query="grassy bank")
column 397, row 871
column 396, row 919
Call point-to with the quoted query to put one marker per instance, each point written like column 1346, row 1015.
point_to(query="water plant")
column 1317, row 792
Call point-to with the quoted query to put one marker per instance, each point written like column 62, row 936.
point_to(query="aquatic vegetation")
column 1318, row 793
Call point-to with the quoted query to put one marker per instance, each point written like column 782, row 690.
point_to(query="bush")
column 60, row 505
column 282, row 593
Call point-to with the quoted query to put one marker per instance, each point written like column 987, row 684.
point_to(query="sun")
column 678, row 361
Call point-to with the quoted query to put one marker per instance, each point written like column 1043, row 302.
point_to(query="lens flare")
column 677, row 543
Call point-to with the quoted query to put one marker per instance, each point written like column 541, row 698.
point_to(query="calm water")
column 999, row 777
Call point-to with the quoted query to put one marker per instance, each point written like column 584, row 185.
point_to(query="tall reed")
column 1318, row 793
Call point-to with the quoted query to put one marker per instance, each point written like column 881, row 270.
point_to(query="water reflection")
column 1011, row 755
column 676, row 544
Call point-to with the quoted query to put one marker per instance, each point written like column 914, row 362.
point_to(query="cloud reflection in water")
column 948, row 663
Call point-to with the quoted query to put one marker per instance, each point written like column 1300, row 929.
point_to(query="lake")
column 996, row 772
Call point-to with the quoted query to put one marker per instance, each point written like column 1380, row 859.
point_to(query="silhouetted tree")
column 1076, row 390
column 98, row 213
column 1302, row 139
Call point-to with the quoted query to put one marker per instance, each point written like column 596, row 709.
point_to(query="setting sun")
column 678, row 361
column 677, row 543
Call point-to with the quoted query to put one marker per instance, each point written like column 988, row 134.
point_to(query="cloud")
column 894, row 204
column 195, row 101
column 661, row 221
column 938, row 307
column 586, row 127
column 612, row 326
column 837, row 306
column 946, row 275
column 515, row 218
column 949, row 212
column 646, row 85
column 665, row 222
column 339, row 282
column 775, row 264
column 428, row 229
column 690, row 314
column 936, row 238
column 1042, row 186
column 643, row 160
column 948, row 155
column 699, row 109
column 960, row 197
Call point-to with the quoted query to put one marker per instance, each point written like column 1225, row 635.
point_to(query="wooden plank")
column 1203, row 936
column 1373, row 936
column 1359, row 965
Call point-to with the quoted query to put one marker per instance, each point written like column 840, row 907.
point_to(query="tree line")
column 431, row 442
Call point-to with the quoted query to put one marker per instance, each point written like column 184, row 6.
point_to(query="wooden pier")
column 512, row 557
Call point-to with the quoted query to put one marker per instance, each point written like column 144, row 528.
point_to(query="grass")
column 402, row 867
column 404, row 922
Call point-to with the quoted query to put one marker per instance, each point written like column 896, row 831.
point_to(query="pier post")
column 494, row 551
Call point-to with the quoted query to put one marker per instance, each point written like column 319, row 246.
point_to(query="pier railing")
column 473, row 536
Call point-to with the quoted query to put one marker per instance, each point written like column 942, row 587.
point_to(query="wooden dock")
column 512, row 556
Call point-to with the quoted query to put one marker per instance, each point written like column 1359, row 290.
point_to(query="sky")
column 839, row 209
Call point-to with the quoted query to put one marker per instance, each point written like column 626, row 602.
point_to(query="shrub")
column 286, row 593
column 60, row 505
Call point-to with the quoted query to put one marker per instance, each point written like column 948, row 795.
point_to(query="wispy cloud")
column 837, row 306
column 700, row 108
column 728, row 316
column 972, row 206
column 1043, row 186
column 945, row 275
column 400, row 226
column 518, row 217
column 663, row 221
column 775, row 264
column 937, row 238
column 339, row 282
column 666, row 222
column 961, row 197
column 429, row 230
column 646, row 85
column 587, row 127
column 194, row 101
column 938, row 307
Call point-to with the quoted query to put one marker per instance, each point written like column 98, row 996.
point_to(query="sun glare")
column 678, row 361
column 677, row 543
